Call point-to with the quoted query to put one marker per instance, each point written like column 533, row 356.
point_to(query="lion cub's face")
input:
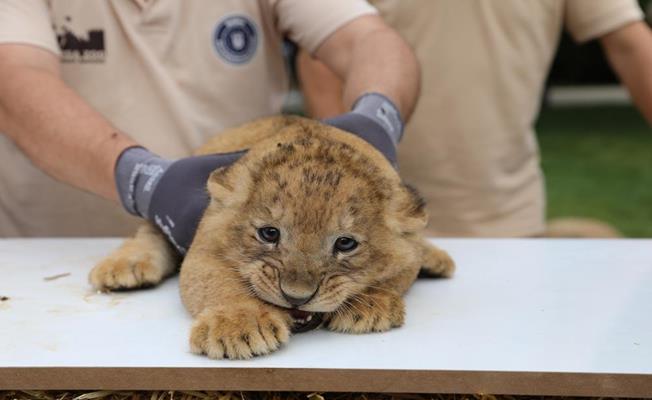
column 311, row 223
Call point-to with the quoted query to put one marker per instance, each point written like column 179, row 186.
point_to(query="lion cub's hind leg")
column 435, row 262
column 141, row 261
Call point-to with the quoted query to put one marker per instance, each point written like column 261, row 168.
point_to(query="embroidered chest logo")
column 76, row 47
column 235, row 39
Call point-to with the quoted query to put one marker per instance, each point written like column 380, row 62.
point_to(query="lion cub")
column 312, row 226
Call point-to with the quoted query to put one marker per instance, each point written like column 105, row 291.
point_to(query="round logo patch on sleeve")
column 235, row 39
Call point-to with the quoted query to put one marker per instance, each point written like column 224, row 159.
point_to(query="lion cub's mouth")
column 304, row 320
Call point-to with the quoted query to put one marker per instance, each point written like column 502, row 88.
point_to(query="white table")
column 546, row 317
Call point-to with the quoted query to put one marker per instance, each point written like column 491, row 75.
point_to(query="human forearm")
column 57, row 130
column 322, row 89
column 629, row 50
column 371, row 57
column 68, row 139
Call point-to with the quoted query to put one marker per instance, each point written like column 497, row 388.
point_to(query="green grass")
column 598, row 164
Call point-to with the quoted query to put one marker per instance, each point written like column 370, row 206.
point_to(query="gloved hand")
column 171, row 194
column 375, row 119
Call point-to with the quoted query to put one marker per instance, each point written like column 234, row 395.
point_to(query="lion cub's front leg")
column 230, row 321
column 374, row 310
column 240, row 330
column 144, row 260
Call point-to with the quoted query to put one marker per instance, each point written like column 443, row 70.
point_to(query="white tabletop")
column 566, row 317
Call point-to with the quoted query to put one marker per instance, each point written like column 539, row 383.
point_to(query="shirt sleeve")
column 27, row 22
column 590, row 19
column 309, row 22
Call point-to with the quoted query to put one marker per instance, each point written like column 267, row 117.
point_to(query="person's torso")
column 470, row 146
column 172, row 73
column 168, row 73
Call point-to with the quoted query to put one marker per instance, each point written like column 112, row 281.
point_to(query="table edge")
column 327, row 380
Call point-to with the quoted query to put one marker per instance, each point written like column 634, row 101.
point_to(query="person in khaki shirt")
column 84, row 83
column 470, row 146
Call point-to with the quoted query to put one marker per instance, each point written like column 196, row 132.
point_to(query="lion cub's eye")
column 344, row 244
column 269, row 234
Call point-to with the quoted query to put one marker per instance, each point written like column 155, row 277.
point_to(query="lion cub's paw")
column 437, row 263
column 239, row 332
column 122, row 270
column 373, row 311
column 144, row 260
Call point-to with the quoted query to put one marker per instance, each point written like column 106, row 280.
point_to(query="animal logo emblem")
column 80, row 47
column 235, row 39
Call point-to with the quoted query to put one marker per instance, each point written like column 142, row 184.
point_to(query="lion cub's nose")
column 297, row 301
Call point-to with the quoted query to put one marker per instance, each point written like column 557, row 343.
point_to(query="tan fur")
column 144, row 260
column 576, row 227
column 315, row 183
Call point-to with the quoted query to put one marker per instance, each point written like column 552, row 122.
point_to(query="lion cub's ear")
column 407, row 210
column 229, row 186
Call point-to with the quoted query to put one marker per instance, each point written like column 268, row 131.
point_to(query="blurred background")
column 596, row 148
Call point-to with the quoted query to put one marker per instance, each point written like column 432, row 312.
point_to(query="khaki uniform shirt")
column 470, row 146
column 169, row 73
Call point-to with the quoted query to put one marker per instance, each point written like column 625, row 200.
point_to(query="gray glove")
column 171, row 194
column 375, row 119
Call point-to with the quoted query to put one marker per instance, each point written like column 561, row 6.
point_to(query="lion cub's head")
column 311, row 217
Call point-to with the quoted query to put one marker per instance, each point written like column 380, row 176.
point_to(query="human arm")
column 380, row 76
column 66, row 138
column 322, row 90
column 629, row 50
column 369, row 56
column 52, row 125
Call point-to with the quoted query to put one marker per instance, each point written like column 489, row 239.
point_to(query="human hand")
column 171, row 194
column 375, row 119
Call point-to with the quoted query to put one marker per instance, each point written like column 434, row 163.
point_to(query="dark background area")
column 583, row 64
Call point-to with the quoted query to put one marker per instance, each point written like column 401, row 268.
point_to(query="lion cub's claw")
column 239, row 333
column 376, row 313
